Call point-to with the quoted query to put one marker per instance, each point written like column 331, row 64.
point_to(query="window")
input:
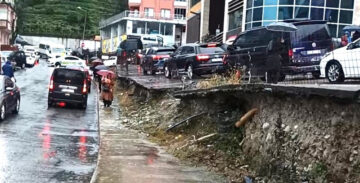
column 317, row 3
column 333, row 29
column 346, row 16
column 270, row 2
column 180, row 11
column 286, row 2
column 302, row 2
column 258, row 3
column 285, row 13
column 347, row 4
column 193, row 2
column 301, row 12
column 211, row 50
column 270, row 13
column 248, row 15
column 317, row 14
column 149, row 12
column 166, row 29
column 165, row 13
column 331, row 15
column 257, row 14
column 256, row 24
column 332, row 3
column 235, row 19
column 249, row 3
column 187, row 50
column 3, row 14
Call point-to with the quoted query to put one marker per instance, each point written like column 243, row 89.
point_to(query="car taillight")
column 139, row 55
column 211, row 45
column 224, row 59
column 158, row 57
column 51, row 85
column 202, row 57
column 291, row 53
column 84, row 89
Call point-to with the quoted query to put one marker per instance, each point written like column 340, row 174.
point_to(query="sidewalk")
column 125, row 156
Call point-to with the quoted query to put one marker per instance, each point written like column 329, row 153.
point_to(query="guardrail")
column 143, row 15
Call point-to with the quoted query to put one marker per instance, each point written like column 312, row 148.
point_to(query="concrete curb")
column 94, row 176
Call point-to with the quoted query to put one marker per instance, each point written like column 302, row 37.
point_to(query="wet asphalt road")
column 47, row 145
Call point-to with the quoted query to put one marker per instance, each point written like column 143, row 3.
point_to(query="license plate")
column 217, row 60
column 67, row 94
column 313, row 52
column 67, row 90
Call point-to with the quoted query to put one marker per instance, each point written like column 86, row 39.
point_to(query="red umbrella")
column 106, row 73
column 96, row 62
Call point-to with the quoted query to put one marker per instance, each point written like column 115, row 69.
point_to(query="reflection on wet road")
column 47, row 145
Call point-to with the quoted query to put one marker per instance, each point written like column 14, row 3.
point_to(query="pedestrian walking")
column 107, row 90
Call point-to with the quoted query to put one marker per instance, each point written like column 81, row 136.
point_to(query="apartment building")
column 7, row 21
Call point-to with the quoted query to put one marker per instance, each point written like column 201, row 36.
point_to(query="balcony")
column 142, row 16
column 135, row 1
column 178, row 3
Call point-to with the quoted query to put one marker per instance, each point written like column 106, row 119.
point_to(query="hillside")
column 62, row 18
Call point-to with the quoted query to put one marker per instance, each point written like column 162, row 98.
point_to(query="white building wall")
column 356, row 15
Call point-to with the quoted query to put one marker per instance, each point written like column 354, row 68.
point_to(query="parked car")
column 342, row 63
column 128, row 50
column 69, row 60
column 68, row 85
column 10, row 97
column 300, row 51
column 19, row 58
column 30, row 60
column 111, row 61
column 196, row 59
column 154, row 58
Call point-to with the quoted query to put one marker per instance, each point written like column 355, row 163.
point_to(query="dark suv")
column 19, row 58
column 68, row 85
column 299, row 52
column 153, row 59
column 196, row 59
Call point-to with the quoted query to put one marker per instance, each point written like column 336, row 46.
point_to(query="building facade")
column 7, row 21
column 338, row 13
column 160, row 18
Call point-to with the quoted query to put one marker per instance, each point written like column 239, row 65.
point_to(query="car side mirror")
column 350, row 46
column 9, row 88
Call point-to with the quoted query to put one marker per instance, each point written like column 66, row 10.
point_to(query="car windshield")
column 5, row 53
column 165, row 52
column 210, row 50
column 63, row 75
column 58, row 50
column 311, row 32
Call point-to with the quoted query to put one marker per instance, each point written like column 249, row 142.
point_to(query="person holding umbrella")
column 107, row 87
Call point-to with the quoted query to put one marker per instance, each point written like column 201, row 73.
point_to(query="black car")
column 68, row 85
column 298, row 52
column 10, row 97
column 19, row 58
column 129, row 49
column 196, row 59
column 153, row 60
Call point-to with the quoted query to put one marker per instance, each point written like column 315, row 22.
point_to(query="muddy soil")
column 290, row 139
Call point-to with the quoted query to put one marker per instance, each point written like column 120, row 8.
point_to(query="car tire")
column 84, row 105
column 335, row 73
column 2, row 112
column 50, row 103
column 316, row 75
column 167, row 72
column 17, row 107
column 190, row 71
column 144, row 71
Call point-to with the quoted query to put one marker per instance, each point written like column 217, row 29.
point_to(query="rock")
column 327, row 136
column 335, row 121
column 296, row 127
column 355, row 152
column 287, row 129
column 266, row 126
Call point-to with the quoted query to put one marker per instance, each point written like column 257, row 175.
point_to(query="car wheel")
column 316, row 75
column 84, row 105
column 50, row 103
column 17, row 107
column 190, row 72
column 334, row 73
column 2, row 112
column 167, row 72
column 89, row 90
column 144, row 71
